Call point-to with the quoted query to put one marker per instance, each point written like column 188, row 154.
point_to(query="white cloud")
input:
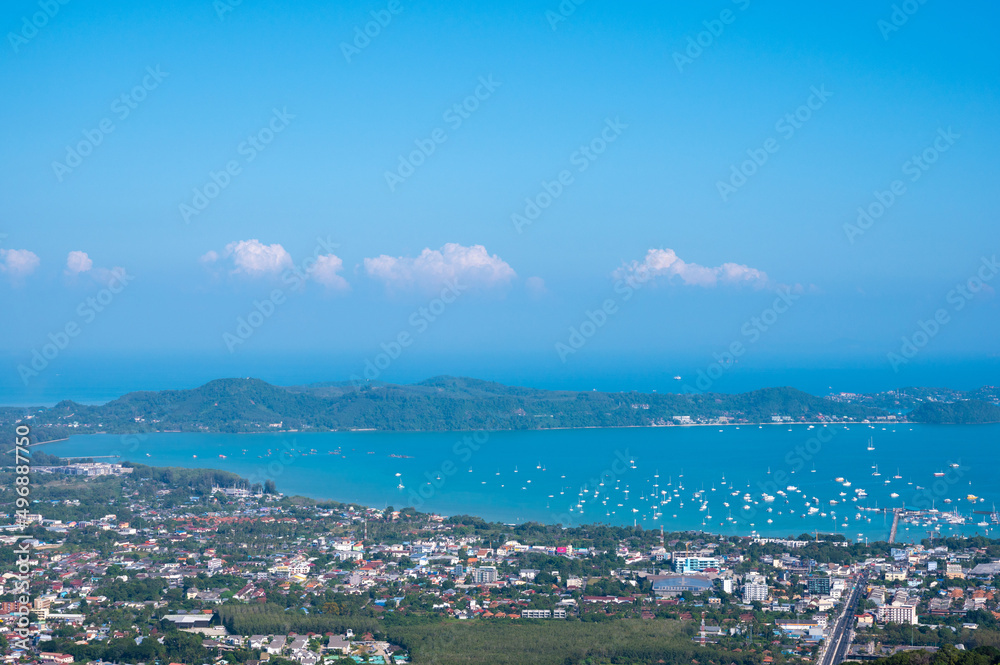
column 78, row 262
column 252, row 258
column 472, row 266
column 18, row 263
column 666, row 263
column 325, row 272
column 535, row 286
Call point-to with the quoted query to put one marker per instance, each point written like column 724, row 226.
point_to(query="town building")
column 894, row 613
column 685, row 563
column 485, row 575
column 819, row 586
column 754, row 592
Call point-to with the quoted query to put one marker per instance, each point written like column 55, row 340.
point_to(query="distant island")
column 453, row 404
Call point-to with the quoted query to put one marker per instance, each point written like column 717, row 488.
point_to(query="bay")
column 677, row 478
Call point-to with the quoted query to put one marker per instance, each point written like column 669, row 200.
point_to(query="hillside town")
column 122, row 566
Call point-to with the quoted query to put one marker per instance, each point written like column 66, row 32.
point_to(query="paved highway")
column 840, row 635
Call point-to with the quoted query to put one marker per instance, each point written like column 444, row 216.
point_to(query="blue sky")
column 670, row 123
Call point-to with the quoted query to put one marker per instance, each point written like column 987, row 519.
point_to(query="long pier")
column 895, row 525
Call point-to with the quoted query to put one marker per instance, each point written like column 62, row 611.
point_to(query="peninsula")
column 450, row 403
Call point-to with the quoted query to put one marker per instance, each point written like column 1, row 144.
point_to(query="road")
column 840, row 635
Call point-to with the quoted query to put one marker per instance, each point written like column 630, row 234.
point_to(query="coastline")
column 447, row 475
column 369, row 430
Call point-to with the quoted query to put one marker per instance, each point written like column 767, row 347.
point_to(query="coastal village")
column 212, row 575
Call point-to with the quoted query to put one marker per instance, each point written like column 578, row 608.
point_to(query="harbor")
column 741, row 480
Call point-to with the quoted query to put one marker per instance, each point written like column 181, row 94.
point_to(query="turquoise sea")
column 674, row 477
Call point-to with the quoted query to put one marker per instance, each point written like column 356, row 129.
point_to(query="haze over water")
column 96, row 379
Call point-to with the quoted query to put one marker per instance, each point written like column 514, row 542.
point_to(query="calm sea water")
column 677, row 477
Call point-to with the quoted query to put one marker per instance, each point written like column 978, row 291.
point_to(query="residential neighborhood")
column 199, row 573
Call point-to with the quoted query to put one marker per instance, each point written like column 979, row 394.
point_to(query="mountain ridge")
column 448, row 403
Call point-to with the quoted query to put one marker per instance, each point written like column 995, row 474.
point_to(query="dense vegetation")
column 191, row 481
column 273, row 619
column 176, row 646
column 946, row 656
column 443, row 403
column 966, row 412
column 554, row 642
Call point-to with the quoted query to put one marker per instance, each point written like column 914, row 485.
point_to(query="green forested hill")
column 441, row 403
column 966, row 412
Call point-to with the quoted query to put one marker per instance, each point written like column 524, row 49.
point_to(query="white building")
column 684, row 563
column 895, row 613
column 536, row 614
column 485, row 575
column 298, row 568
column 754, row 591
column 276, row 645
